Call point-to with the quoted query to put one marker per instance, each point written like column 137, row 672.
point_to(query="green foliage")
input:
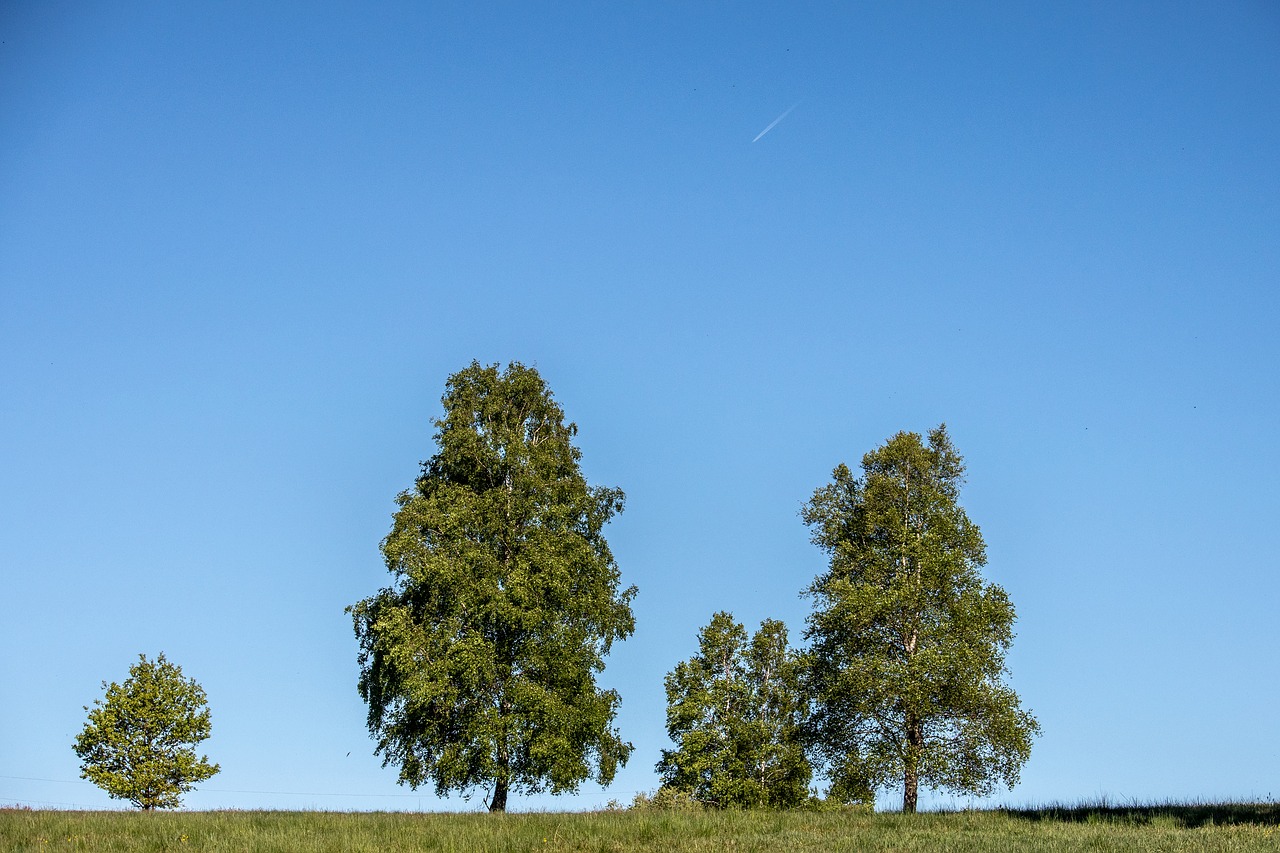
column 137, row 744
column 734, row 711
column 478, row 664
column 667, row 799
column 906, row 664
column 817, row 803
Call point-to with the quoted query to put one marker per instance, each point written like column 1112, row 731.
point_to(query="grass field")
column 1137, row 828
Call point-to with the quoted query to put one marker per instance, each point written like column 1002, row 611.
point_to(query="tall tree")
column 906, row 665
column 479, row 662
column 734, row 711
column 139, row 741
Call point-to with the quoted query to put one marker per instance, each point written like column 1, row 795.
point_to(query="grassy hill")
column 1204, row 827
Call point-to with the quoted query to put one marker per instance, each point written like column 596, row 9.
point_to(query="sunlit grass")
column 1168, row 827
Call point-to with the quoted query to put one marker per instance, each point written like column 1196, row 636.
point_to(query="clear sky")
column 242, row 246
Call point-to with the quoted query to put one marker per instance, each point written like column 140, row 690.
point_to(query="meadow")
column 1197, row 827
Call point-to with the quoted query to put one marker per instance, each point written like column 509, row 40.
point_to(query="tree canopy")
column 734, row 711
column 906, row 663
column 138, row 743
column 479, row 662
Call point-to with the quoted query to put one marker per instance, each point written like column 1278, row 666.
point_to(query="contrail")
column 774, row 123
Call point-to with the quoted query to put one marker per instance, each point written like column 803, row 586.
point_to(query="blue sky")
column 243, row 246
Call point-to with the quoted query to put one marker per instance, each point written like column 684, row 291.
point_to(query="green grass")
column 1196, row 827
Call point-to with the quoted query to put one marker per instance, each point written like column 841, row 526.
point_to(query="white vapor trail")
column 774, row 123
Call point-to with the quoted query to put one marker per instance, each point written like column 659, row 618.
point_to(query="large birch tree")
column 479, row 662
column 906, row 663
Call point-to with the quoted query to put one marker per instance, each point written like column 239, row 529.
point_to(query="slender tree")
column 479, row 662
column 906, row 664
column 734, row 711
column 139, row 741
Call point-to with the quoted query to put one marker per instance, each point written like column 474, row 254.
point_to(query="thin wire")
column 301, row 793
column 238, row 791
column 220, row 790
column 6, row 800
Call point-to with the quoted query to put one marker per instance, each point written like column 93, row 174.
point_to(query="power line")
column 21, row 802
column 222, row 790
column 302, row 793
column 204, row 790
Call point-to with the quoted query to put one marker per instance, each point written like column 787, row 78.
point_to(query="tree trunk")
column 909, row 791
column 911, row 775
column 499, row 801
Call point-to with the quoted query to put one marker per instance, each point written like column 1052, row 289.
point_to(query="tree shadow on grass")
column 1187, row 815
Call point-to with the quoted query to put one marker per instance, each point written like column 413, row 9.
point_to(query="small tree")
column 906, row 665
column 479, row 663
column 138, row 743
column 734, row 711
